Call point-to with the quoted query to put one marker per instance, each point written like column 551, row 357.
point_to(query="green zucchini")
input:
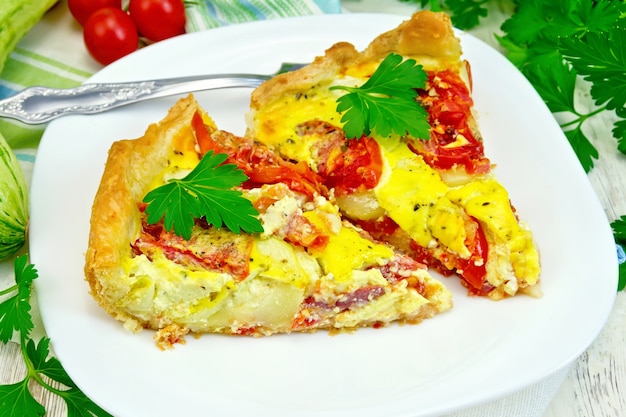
column 13, row 202
column 16, row 18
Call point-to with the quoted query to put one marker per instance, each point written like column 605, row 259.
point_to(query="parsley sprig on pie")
column 355, row 207
column 206, row 192
column 386, row 102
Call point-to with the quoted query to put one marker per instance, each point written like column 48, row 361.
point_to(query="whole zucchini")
column 13, row 202
column 16, row 18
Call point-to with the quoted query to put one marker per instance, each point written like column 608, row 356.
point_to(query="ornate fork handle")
column 35, row 105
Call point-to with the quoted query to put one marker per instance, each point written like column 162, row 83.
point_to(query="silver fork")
column 37, row 104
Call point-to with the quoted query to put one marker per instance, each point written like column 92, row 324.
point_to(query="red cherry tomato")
column 110, row 34
column 158, row 19
column 82, row 9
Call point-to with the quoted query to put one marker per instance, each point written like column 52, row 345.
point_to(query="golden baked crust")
column 115, row 217
column 427, row 37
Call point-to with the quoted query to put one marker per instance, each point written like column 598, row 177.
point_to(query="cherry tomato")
column 110, row 34
column 158, row 19
column 82, row 9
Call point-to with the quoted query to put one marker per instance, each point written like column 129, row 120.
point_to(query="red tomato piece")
column 203, row 137
column 158, row 19
column 448, row 109
column 82, row 9
column 474, row 269
column 352, row 165
column 110, row 34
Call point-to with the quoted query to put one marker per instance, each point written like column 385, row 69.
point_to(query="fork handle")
column 36, row 105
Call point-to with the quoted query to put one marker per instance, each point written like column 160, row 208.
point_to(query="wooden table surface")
column 596, row 379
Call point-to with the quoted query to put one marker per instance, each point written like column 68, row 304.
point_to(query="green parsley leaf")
column 387, row 102
column 619, row 130
column 556, row 84
column 619, row 230
column 207, row 192
column 619, row 233
column 39, row 356
column 600, row 58
column 79, row 405
column 583, row 148
column 621, row 283
column 16, row 400
column 15, row 311
column 466, row 14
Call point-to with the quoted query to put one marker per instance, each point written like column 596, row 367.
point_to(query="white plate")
column 479, row 351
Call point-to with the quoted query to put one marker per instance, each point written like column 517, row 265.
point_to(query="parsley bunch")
column 554, row 43
column 16, row 399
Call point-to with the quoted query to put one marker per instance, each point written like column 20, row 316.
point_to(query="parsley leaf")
column 600, row 57
column 15, row 311
column 583, row 148
column 39, row 356
column 16, row 399
column 619, row 233
column 619, row 130
column 619, row 230
column 556, row 83
column 207, row 192
column 386, row 102
column 466, row 14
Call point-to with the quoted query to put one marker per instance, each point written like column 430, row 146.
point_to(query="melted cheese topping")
column 348, row 251
column 431, row 212
column 414, row 196
column 488, row 202
column 275, row 124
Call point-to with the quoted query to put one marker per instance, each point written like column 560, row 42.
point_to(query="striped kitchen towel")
column 213, row 13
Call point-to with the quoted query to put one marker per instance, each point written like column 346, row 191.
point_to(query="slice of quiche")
column 308, row 269
column 435, row 198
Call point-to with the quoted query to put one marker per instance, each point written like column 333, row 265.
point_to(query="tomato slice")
column 452, row 141
column 351, row 165
column 203, row 138
column 231, row 256
column 474, row 270
column 260, row 164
